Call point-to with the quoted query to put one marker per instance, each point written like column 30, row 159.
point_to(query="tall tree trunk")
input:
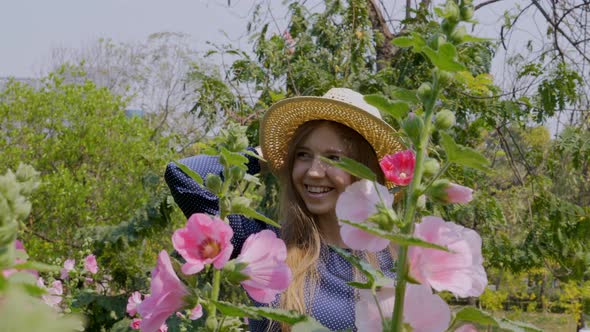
column 386, row 50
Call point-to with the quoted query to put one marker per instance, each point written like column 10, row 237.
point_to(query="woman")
column 294, row 134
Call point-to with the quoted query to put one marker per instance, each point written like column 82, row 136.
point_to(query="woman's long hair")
column 300, row 229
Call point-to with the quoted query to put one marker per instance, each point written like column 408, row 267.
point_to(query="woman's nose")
column 317, row 168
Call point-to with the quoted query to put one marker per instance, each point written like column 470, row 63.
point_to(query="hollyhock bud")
column 356, row 204
column 204, row 240
column 413, row 126
column 167, row 296
column 90, row 264
column 135, row 323
column 460, row 270
column 445, row 192
column 431, row 167
column 425, row 92
column 444, row 119
column 436, row 40
column 458, row 35
column 452, row 11
column 399, row 167
column 466, row 12
column 262, row 260
column 213, row 183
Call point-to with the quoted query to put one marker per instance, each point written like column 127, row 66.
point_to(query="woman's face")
column 317, row 183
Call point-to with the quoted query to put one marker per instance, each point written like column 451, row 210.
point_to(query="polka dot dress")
column 333, row 302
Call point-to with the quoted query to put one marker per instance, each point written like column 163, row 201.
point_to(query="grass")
column 548, row 322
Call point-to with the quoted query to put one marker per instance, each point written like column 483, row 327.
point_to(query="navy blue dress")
column 334, row 299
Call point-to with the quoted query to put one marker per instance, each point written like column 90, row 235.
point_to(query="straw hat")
column 340, row 105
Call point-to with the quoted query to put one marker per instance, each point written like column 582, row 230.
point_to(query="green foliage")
column 97, row 167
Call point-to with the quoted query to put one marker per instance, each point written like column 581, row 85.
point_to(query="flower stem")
column 409, row 215
column 215, row 292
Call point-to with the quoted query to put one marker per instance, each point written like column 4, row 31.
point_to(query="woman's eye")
column 334, row 158
column 303, row 155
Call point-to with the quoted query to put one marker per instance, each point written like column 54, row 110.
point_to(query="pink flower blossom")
column 204, row 240
column 132, row 303
column 267, row 272
column 424, row 311
column 90, row 264
column 163, row 328
column 20, row 251
column 196, row 312
column 135, row 323
column 399, row 167
column 53, row 297
column 68, row 266
column 458, row 194
column 459, row 271
column 167, row 295
column 467, row 328
column 356, row 204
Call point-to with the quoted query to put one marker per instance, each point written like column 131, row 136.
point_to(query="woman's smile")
column 317, row 183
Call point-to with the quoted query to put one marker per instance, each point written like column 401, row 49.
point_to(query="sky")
column 30, row 29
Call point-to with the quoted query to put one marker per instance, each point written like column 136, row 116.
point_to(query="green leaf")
column 239, row 310
column 353, row 167
column 403, row 41
column 474, row 315
column 402, row 94
column 375, row 277
column 444, row 57
column 415, row 40
column 309, row 325
column 243, row 209
column 37, row 266
column 518, row 326
column 234, row 159
column 194, row 175
column 462, row 155
column 401, row 239
column 397, row 109
column 255, row 155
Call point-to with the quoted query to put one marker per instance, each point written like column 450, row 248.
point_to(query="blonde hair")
column 300, row 229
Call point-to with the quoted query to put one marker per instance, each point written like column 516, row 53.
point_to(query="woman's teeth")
column 317, row 190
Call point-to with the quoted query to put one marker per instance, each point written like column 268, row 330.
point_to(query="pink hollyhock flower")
column 20, row 251
column 267, row 272
column 399, row 167
column 467, row 328
column 196, row 312
column 356, row 204
column 132, row 303
column 90, row 264
column 458, row 194
column 167, row 295
column 53, row 297
column 68, row 266
column 163, row 328
column 424, row 311
column 135, row 323
column 204, row 240
column 459, row 271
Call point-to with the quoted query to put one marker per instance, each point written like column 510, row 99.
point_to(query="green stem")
column 411, row 200
column 215, row 292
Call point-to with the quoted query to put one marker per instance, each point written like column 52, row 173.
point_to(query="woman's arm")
column 193, row 198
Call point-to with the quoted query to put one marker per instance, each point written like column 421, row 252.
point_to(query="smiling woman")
column 295, row 134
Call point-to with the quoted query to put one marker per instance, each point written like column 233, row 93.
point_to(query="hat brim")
column 283, row 118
